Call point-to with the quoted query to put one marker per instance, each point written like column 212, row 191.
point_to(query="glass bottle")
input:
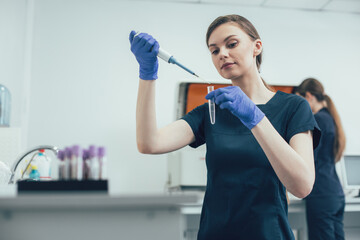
column 5, row 101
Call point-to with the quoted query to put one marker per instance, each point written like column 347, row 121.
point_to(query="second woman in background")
column 325, row 204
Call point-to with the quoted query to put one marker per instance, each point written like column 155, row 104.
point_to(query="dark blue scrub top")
column 244, row 198
column 327, row 182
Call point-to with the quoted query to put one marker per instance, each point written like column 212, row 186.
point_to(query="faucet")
column 16, row 163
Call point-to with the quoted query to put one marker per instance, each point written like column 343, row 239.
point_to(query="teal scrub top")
column 244, row 198
column 327, row 183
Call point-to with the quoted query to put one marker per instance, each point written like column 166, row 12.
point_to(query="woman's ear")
column 309, row 96
column 257, row 47
column 311, row 100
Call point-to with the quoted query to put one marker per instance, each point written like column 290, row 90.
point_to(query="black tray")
column 63, row 186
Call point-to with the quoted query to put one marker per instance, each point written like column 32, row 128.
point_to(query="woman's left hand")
column 236, row 101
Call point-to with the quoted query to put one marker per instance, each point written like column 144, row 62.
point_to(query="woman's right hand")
column 145, row 48
column 238, row 103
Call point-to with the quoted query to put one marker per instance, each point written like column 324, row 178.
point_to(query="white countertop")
column 190, row 203
column 9, row 200
column 296, row 205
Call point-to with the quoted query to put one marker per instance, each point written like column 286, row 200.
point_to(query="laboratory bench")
column 93, row 216
column 131, row 217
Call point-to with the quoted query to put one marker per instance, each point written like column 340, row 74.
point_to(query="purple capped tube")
column 77, row 163
column 68, row 155
column 86, row 164
column 61, row 157
column 94, row 164
column 102, row 162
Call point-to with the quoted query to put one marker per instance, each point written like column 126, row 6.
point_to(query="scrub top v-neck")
column 244, row 198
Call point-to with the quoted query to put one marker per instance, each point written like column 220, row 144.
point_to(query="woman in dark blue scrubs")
column 325, row 204
column 260, row 144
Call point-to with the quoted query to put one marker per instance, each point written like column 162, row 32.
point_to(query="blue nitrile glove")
column 235, row 100
column 145, row 48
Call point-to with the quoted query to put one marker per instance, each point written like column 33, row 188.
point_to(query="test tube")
column 61, row 157
column 211, row 105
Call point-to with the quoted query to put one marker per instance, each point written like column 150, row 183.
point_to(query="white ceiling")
column 345, row 6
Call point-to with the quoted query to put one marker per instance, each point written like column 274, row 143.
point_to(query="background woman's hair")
column 314, row 87
column 244, row 25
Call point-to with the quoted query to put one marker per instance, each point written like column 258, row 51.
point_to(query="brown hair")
column 314, row 87
column 244, row 25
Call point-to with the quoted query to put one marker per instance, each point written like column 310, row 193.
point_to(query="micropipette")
column 167, row 57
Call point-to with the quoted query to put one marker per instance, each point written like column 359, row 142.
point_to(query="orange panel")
column 197, row 91
column 285, row 89
column 196, row 94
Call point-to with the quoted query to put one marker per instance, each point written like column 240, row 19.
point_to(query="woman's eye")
column 232, row 45
column 215, row 51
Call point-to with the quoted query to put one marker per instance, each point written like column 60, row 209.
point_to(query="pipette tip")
column 202, row 79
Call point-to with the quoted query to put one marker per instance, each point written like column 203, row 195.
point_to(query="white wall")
column 12, row 44
column 84, row 78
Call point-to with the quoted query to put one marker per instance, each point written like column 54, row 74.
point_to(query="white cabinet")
column 187, row 169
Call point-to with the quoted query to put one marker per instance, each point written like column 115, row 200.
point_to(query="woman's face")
column 233, row 52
